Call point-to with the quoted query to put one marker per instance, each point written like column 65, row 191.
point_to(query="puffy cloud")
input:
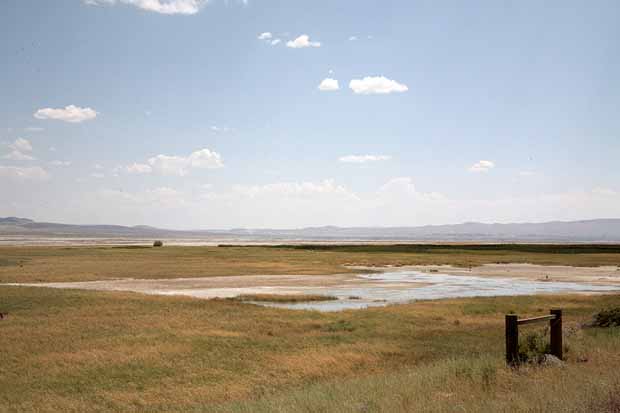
column 180, row 166
column 352, row 38
column 20, row 146
column 71, row 114
column 302, row 42
column 376, row 85
column 18, row 156
column 364, row 158
column 35, row 173
column 404, row 187
column 158, row 6
column 482, row 166
column 267, row 37
column 139, row 168
column 205, row 158
column 328, row 85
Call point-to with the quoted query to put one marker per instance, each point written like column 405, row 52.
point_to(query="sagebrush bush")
column 534, row 346
column 607, row 318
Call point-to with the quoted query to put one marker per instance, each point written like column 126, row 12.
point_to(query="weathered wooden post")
column 512, row 339
column 555, row 325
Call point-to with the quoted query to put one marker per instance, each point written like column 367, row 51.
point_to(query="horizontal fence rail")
column 512, row 334
column 536, row 319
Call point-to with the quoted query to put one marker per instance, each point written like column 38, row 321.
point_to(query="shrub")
column 607, row 318
column 158, row 244
column 534, row 346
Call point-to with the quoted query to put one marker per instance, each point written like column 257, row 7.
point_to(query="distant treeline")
column 442, row 248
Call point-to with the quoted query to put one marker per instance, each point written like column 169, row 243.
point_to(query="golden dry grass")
column 53, row 264
column 75, row 351
column 66, row 350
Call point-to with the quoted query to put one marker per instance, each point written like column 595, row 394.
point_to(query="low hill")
column 596, row 230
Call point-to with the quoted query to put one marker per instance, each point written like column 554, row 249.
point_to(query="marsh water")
column 423, row 286
column 355, row 292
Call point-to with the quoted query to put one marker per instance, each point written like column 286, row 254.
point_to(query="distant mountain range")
column 596, row 230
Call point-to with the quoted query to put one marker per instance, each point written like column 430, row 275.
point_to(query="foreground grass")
column 72, row 351
column 34, row 264
column 467, row 384
column 283, row 298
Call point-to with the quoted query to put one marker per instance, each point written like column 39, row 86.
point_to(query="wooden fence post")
column 556, row 333
column 512, row 339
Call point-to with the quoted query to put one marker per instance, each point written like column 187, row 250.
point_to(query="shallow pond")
column 391, row 288
column 352, row 291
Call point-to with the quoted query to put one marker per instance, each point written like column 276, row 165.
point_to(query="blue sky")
column 196, row 114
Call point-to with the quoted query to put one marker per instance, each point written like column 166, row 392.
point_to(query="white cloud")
column 265, row 36
column 302, row 42
column 527, row 173
column 35, row 173
column 186, row 7
column 364, row 158
column 34, row 129
column 353, row 38
column 98, row 166
column 329, row 84
column 139, row 168
column 275, row 42
column 180, row 166
column 220, row 129
column 97, row 175
column 482, row 166
column 16, row 155
column 21, row 144
column 19, row 147
column 60, row 163
column 169, row 165
column 404, row 186
column 376, row 85
column 71, row 114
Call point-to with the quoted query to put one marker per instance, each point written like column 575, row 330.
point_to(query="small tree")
column 158, row 244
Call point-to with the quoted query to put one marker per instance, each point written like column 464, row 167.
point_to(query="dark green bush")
column 158, row 244
column 607, row 318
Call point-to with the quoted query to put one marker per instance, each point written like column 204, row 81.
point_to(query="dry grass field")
column 52, row 264
column 76, row 351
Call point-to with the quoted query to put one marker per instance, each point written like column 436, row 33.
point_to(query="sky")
column 283, row 114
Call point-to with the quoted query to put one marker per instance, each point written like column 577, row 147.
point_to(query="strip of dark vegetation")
column 130, row 247
column 281, row 298
column 442, row 248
